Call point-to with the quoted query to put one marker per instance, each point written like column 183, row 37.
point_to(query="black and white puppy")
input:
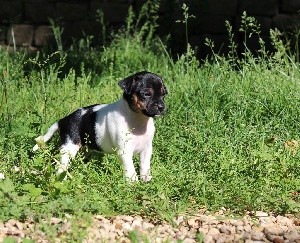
column 125, row 127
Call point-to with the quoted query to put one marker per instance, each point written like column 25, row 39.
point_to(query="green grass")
column 221, row 143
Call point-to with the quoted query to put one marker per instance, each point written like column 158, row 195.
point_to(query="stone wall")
column 25, row 23
column 212, row 14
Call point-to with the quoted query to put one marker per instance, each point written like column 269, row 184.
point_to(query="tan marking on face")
column 137, row 104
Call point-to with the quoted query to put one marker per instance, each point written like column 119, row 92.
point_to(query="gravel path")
column 259, row 227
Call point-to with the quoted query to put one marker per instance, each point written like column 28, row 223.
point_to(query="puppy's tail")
column 41, row 140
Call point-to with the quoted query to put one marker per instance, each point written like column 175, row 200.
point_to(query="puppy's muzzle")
column 161, row 107
column 156, row 109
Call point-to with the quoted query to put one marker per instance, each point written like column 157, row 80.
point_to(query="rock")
column 227, row 229
column 40, row 233
column 214, row 222
column 124, row 240
column 237, row 238
column 138, row 217
column 116, row 229
column 192, row 223
column 257, row 235
column 29, row 226
column 271, row 237
column 112, row 236
column 213, row 231
column 19, row 225
column 128, row 218
column 236, row 222
column 65, row 228
column 179, row 220
column 292, row 235
column 55, row 220
column 137, row 224
column 239, row 229
column 206, row 218
column 146, row 225
column 184, row 229
column 208, row 239
column 246, row 235
column 261, row 214
column 202, row 230
column 171, row 233
column 118, row 226
column 247, row 228
column 220, row 212
column 10, row 222
column 278, row 240
column 99, row 217
column 14, row 232
column 103, row 220
column 267, row 220
column 189, row 240
column 158, row 240
column 297, row 222
column 162, row 229
column 127, row 227
column 284, row 221
column 180, row 236
column 273, row 230
column 221, row 238
column 230, row 238
column 20, row 35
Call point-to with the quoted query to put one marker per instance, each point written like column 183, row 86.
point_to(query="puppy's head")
column 144, row 92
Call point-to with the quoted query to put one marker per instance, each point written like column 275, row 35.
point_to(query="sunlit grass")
column 229, row 138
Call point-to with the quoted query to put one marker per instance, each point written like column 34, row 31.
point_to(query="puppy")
column 125, row 127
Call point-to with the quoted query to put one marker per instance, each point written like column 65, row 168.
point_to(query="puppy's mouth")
column 154, row 112
column 151, row 115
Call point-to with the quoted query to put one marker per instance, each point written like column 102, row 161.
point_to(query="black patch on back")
column 80, row 129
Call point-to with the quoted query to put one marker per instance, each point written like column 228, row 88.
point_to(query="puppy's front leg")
column 145, row 158
column 129, row 169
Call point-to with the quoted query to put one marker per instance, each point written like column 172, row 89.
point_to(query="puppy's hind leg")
column 43, row 139
column 68, row 151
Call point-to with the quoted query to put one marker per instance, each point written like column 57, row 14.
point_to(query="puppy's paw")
column 63, row 174
column 35, row 148
column 146, row 178
column 132, row 178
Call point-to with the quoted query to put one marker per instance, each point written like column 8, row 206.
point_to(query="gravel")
column 253, row 227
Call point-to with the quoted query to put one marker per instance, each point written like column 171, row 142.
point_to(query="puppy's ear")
column 126, row 84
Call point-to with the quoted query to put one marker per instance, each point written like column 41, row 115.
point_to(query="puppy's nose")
column 160, row 107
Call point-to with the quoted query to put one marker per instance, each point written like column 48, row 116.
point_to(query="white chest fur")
column 118, row 128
